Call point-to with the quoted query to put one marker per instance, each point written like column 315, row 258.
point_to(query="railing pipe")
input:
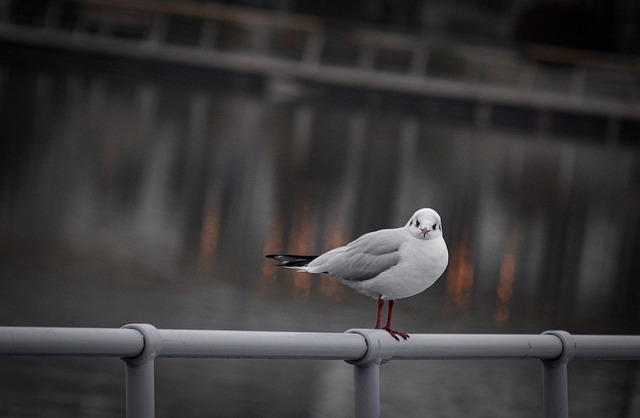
column 475, row 346
column 555, row 386
column 259, row 344
column 555, row 395
column 140, row 389
column 127, row 342
column 607, row 347
column 91, row 342
column 140, row 373
column 140, row 344
column 366, row 372
column 366, row 389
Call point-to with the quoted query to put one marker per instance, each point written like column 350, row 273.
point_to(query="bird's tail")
column 287, row 260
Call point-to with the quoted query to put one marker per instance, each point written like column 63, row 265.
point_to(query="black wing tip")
column 290, row 260
column 287, row 256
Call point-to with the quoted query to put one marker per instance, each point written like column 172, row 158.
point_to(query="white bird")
column 388, row 264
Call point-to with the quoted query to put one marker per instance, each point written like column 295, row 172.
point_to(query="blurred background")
column 153, row 151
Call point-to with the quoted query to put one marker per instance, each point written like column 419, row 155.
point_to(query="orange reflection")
column 331, row 288
column 272, row 246
column 110, row 158
column 301, row 286
column 504, row 293
column 209, row 233
column 335, row 237
column 304, row 227
column 460, row 276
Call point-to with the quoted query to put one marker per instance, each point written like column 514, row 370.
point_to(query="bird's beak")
column 425, row 231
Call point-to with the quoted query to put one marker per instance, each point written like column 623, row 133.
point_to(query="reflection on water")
column 504, row 293
column 459, row 282
column 132, row 197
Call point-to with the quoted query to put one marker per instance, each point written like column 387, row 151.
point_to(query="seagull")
column 386, row 265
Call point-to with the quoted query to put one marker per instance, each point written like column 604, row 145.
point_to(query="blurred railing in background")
column 569, row 87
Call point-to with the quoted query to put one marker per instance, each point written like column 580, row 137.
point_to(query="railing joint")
column 568, row 348
column 378, row 351
column 555, row 384
column 152, row 344
column 140, row 374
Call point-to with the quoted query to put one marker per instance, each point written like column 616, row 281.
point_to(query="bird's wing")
column 364, row 258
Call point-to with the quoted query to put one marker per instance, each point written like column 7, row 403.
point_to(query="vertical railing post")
column 140, row 400
column 366, row 371
column 555, row 386
column 140, row 374
column 366, row 386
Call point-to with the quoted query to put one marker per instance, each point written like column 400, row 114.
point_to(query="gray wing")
column 364, row 258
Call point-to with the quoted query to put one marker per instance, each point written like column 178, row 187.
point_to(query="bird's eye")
column 434, row 226
column 417, row 223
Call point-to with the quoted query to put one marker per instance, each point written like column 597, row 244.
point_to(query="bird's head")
column 425, row 224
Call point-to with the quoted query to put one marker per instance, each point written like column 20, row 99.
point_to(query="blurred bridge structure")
column 541, row 88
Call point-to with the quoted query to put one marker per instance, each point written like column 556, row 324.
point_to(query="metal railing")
column 140, row 344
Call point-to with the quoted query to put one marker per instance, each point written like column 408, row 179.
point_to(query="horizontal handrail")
column 261, row 344
column 604, row 347
column 140, row 344
column 353, row 345
column 90, row 342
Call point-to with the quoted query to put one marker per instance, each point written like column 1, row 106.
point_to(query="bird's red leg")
column 380, row 305
column 387, row 327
